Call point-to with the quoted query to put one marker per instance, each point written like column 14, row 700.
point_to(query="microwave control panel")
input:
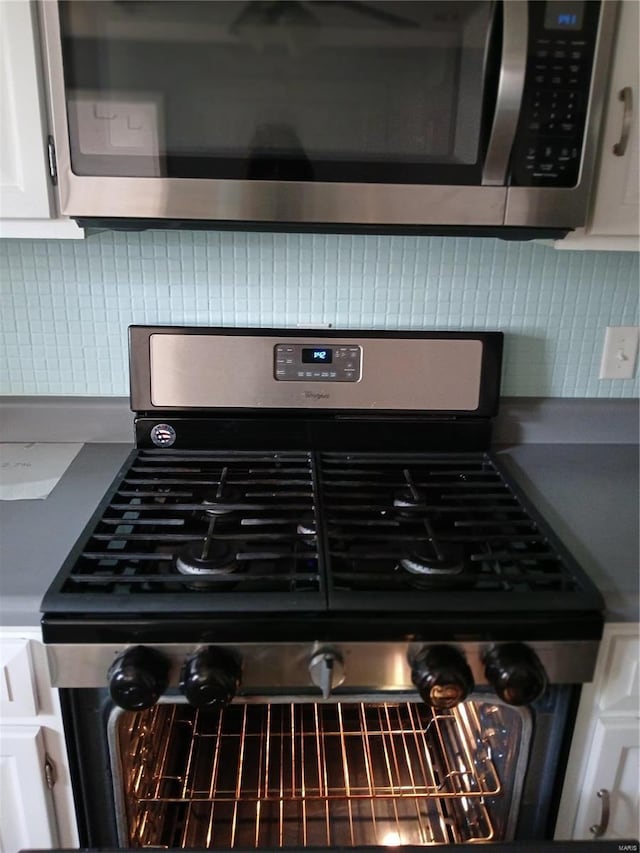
column 562, row 38
column 317, row 362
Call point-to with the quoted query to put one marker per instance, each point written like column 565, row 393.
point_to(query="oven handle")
column 510, row 89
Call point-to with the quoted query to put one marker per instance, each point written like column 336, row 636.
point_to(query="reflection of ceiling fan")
column 296, row 13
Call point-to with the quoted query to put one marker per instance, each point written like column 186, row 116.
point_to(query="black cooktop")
column 356, row 537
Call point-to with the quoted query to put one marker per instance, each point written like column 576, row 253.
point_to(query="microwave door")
column 368, row 114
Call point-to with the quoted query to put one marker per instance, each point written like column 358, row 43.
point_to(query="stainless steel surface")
column 599, row 829
column 567, row 207
column 269, row 668
column 310, row 775
column 510, row 89
column 270, row 201
column 626, row 96
column 174, row 370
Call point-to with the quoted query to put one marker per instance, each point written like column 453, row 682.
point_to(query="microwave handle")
column 510, row 88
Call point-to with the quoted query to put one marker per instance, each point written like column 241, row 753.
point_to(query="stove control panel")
column 317, row 362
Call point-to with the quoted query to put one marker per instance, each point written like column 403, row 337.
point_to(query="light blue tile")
column 68, row 305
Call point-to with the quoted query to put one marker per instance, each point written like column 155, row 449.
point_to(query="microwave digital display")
column 561, row 15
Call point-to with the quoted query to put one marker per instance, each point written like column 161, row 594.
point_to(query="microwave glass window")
column 330, row 91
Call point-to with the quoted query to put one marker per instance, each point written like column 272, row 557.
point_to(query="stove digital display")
column 317, row 355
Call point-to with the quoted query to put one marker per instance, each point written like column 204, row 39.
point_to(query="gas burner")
column 448, row 561
column 216, row 558
column 430, row 566
column 216, row 504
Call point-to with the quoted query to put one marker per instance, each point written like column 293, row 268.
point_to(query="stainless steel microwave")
column 444, row 116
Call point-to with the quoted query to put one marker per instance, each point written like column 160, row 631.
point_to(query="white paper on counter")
column 30, row 471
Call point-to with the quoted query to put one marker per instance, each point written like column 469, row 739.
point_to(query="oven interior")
column 304, row 774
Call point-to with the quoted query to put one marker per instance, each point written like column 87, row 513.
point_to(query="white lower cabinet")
column 27, row 817
column 36, row 803
column 601, row 796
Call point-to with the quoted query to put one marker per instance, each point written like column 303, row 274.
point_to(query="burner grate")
column 416, row 525
column 303, row 533
column 215, row 522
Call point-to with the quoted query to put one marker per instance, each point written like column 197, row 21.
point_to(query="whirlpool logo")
column 315, row 395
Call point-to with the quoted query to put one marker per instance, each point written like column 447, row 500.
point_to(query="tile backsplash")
column 66, row 305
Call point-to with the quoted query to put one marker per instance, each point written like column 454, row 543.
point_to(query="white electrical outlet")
column 620, row 352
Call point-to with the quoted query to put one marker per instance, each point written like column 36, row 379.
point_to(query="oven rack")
column 303, row 775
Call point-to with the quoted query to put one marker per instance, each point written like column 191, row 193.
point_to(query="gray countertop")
column 36, row 536
column 587, row 492
column 589, row 495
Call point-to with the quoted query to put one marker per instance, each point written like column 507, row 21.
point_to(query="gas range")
column 318, row 511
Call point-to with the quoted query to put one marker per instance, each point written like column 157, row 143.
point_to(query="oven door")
column 277, row 112
column 269, row 772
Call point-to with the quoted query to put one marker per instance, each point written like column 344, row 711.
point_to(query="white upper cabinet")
column 614, row 217
column 27, row 206
column 617, row 203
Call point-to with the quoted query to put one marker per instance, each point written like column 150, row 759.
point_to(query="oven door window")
column 270, row 775
column 303, row 90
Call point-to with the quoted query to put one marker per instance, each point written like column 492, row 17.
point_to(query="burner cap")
column 306, row 529
column 406, row 498
column 212, row 504
column 306, row 526
column 220, row 560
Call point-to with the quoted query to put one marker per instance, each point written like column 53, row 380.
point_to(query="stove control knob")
column 515, row 673
column 137, row 678
column 210, row 678
column 442, row 676
column 326, row 670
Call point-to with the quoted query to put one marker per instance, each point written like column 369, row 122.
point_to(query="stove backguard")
column 196, row 369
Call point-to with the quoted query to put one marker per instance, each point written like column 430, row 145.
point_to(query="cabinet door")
column 26, row 813
column 614, row 766
column 617, row 202
column 24, row 177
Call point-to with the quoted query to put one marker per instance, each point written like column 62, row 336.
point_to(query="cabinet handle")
column 49, row 772
column 599, row 829
column 626, row 96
